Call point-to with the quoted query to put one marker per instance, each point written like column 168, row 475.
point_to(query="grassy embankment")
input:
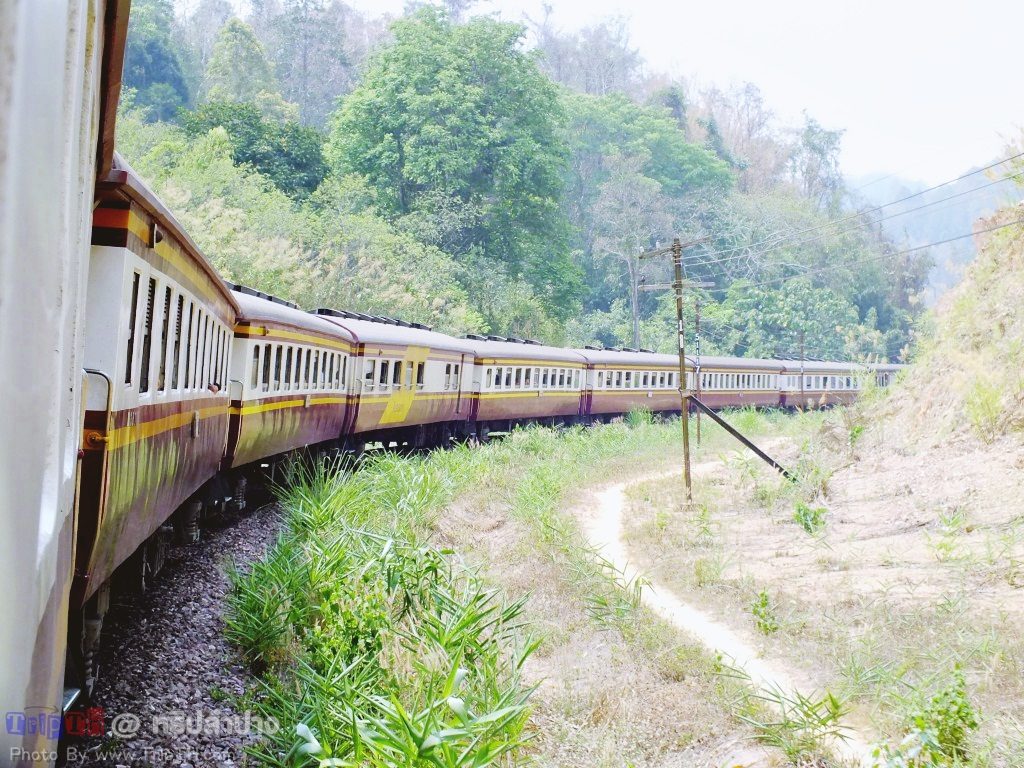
column 380, row 620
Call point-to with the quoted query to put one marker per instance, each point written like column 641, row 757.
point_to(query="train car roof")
column 372, row 332
column 736, row 363
column 259, row 309
column 625, row 357
column 490, row 349
column 886, row 366
column 123, row 182
column 814, row 366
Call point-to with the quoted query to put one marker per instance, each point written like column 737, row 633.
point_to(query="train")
column 158, row 393
column 197, row 387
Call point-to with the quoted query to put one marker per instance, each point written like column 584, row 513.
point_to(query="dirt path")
column 602, row 525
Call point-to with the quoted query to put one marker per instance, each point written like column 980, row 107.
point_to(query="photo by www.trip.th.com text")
column 468, row 383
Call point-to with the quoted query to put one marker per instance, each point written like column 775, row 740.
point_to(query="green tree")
column 458, row 119
column 152, row 66
column 631, row 214
column 239, row 71
column 288, row 153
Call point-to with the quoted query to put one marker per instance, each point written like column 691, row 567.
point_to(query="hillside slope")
column 968, row 377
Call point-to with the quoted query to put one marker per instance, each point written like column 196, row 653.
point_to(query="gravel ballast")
column 166, row 667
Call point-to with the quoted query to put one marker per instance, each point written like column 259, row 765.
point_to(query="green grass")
column 374, row 648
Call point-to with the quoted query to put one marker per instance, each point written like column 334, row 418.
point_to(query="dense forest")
column 486, row 176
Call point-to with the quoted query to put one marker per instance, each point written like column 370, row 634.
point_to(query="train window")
column 497, row 378
column 519, row 378
column 456, row 377
column 576, row 379
column 384, row 374
column 448, row 376
column 508, row 378
column 629, row 379
column 307, row 377
column 408, row 375
column 165, row 328
column 255, row 376
column 186, row 384
column 396, row 374
column 147, row 337
column 204, row 380
column 197, row 352
column 528, row 377
column 265, row 378
column 131, row 329
column 536, row 377
column 288, row 362
column 275, row 382
column 176, row 347
column 419, row 375
column 600, row 380
column 218, row 347
column 316, row 370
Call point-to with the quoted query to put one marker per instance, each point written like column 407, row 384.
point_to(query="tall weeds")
column 374, row 648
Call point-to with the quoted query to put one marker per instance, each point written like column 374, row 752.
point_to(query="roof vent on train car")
column 474, row 337
column 534, row 342
column 649, row 351
column 496, row 338
column 630, row 349
column 516, row 340
column 422, row 326
column 238, row 288
column 594, row 347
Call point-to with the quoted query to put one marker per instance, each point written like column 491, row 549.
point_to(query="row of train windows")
column 523, row 377
column 281, row 367
column 192, row 345
column 636, row 379
column 385, row 374
column 823, row 382
column 738, row 381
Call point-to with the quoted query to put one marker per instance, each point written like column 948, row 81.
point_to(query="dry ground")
column 613, row 690
column 916, row 568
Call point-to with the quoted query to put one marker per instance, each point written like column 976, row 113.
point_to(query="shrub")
column 763, row 611
column 811, row 519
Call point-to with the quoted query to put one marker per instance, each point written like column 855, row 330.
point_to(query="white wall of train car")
column 265, row 330
column 823, row 383
column 537, row 382
column 443, row 396
column 50, row 82
column 618, row 381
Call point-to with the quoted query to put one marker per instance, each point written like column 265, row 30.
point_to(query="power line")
column 875, row 258
column 774, row 241
column 875, row 221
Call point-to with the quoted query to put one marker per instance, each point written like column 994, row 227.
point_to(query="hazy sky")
column 924, row 90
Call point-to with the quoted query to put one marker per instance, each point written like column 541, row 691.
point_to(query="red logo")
column 87, row 722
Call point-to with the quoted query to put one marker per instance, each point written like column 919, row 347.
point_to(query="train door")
column 587, row 396
column 458, row 379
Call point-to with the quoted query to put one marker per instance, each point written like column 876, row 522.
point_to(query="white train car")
column 59, row 84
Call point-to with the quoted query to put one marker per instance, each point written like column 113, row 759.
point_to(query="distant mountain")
column 967, row 200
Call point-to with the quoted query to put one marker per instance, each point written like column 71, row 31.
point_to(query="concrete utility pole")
column 678, row 285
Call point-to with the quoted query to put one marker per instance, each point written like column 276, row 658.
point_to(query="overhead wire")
column 775, row 241
column 874, row 258
column 711, row 262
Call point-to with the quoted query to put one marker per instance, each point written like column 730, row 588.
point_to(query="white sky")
column 925, row 90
